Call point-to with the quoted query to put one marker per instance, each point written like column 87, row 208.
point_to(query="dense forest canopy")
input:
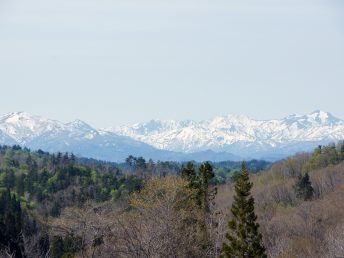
column 59, row 205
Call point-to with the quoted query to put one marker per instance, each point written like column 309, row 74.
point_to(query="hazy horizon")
column 131, row 61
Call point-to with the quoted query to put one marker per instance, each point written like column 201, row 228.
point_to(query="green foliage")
column 204, row 177
column 188, row 173
column 200, row 182
column 203, row 195
column 14, row 222
column 301, row 163
column 52, row 182
column 303, row 188
column 244, row 239
column 324, row 156
column 235, row 176
column 66, row 247
column 11, row 223
column 94, row 176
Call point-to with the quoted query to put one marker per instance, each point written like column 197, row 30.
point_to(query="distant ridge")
column 82, row 139
column 223, row 138
column 246, row 137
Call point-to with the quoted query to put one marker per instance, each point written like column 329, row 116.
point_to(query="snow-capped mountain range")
column 37, row 132
column 240, row 135
column 222, row 138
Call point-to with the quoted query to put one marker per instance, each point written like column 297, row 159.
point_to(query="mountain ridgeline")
column 220, row 139
column 241, row 135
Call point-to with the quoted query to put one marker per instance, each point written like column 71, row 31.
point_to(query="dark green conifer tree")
column 244, row 239
column 11, row 224
column 303, row 188
column 206, row 173
column 188, row 173
column 203, row 194
column 20, row 185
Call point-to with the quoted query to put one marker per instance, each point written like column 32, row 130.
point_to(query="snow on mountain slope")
column 239, row 134
column 215, row 139
column 23, row 127
column 78, row 137
column 82, row 139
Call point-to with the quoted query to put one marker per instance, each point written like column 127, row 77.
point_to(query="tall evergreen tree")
column 188, row 173
column 201, row 182
column 244, row 239
column 20, row 185
column 11, row 222
column 203, row 193
column 204, row 197
column 206, row 173
column 303, row 188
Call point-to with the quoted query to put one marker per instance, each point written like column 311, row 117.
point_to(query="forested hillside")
column 36, row 187
column 299, row 203
column 58, row 205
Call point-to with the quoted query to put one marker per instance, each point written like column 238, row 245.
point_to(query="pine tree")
column 188, row 173
column 303, row 188
column 20, row 185
column 244, row 239
column 11, row 224
column 205, row 175
column 204, row 194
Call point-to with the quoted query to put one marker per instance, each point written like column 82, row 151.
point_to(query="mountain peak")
column 23, row 126
column 15, row 116
column 23, row 120
column 323, row 117
column 229, row 133
column 234, row 133
column 81, row 125
column 320, row 112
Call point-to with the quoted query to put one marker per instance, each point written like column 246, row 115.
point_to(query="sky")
column 114, row 62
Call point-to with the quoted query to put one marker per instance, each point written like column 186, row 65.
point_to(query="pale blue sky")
column 112, row 62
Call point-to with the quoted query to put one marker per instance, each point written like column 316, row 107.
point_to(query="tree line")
column 58, row 205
